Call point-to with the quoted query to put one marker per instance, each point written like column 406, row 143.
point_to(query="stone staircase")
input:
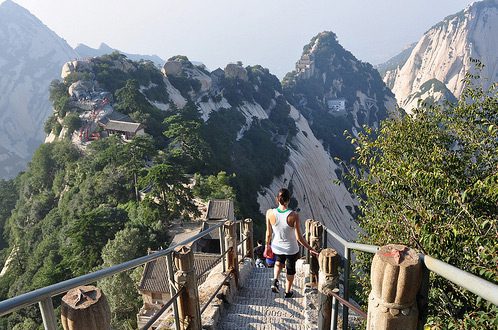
column 257, row 307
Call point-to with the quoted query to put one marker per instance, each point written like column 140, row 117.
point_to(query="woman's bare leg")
column 288, row 283
column 277, row 269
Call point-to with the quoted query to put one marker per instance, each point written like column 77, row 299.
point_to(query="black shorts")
column 290, row 262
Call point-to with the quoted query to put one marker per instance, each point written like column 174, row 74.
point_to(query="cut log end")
column 398, row 255
column 82, row 297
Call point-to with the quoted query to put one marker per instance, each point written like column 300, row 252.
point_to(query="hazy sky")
column 267, row 32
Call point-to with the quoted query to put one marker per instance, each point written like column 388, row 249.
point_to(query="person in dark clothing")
column 258, row 254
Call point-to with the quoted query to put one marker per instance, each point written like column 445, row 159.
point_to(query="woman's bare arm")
column 299, row 236
column 269, row 231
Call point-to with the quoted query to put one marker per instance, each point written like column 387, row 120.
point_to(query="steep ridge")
column 251, row 129
column 311, row 173
column 336, row 92
column 444, row 53
column 30, row 57
column 391, row 67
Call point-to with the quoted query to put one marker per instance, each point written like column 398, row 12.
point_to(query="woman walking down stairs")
column 257, row 307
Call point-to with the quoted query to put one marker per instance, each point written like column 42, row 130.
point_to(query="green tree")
column 86, row 237
column 430, row 181
column 8, row 198
column 187, row 145
column 72, row 122
column 214, row 186
column 129, row 99
column 59, row 97
column 121, row 289
column 138, row 151
column 170, row 186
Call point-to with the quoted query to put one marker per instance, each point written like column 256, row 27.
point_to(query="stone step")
column 243, row 319
column 276, row 310
column 265, row 293
column 294, row 304
column 259, row 326
column 266, row 283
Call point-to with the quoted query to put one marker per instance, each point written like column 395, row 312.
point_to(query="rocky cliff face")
column 31, row 56
column 252, row 130
column 336, row 92
column 391, row 67
column 444, row 53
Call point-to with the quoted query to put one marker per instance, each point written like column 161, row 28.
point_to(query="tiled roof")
column 220, row 209
column 154, row 277
column 122, row 126
column 118, row 121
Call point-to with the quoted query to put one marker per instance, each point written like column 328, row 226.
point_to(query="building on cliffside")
column 154, row 285
column 122, row 125
column 336, row 105
column 217, row 211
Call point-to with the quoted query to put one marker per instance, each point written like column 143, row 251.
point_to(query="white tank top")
column 284, row 239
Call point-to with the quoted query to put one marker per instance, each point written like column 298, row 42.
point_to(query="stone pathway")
column 257, row 307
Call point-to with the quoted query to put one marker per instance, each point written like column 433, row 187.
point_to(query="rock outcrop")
column 235, row 71
column 444, row 53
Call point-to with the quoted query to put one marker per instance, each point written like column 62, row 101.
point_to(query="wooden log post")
column 316, row 235
column 248, row 236
column 328, row 280
column 231, row 246
column 307, row 227
column 85, row 308
column 396, row 274
column 188, row 301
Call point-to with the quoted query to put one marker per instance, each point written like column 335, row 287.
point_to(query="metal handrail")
column 38, row 295
column 160, row 312
column 215, row 292
column 468, row 281
column 357, row 310
column 214, row 263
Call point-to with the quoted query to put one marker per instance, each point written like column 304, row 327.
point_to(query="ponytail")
column 283, row 196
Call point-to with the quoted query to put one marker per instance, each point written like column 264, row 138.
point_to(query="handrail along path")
column 46, row 293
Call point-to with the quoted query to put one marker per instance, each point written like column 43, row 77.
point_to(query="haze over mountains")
column 31, row 56
column 444, row 53
column 329, row 92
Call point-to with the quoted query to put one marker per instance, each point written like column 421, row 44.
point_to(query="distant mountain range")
column 86, row 51
column 31, row 56
column 444, row 52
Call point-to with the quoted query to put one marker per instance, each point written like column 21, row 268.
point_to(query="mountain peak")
column 445, row 52
column 10, row 6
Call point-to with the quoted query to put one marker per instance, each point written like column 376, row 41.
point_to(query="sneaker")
column 274, row 286
column 289, row 294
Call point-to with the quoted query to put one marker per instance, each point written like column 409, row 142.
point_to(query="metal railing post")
column 345, row 310
column 223, row 249
column 47, row 312
column 242, row 237
column 335, row 313
column 248, row 237
column 172, row 289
